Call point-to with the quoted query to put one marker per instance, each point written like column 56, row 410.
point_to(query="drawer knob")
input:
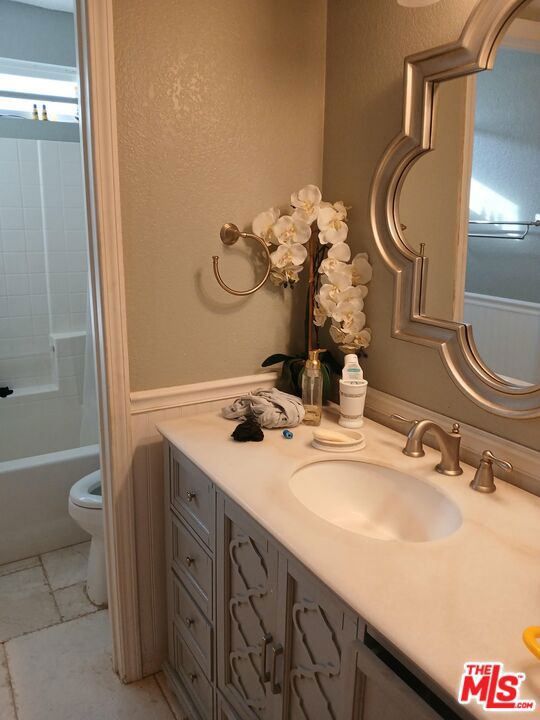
column 189, row 561
column 192, row 677
column 189, row 622
column 191, row 495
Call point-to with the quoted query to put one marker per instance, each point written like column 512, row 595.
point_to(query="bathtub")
column 34, row 501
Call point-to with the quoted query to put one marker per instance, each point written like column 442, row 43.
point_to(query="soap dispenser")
column 312, row 387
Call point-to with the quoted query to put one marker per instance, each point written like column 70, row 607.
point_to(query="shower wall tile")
column 43, row 256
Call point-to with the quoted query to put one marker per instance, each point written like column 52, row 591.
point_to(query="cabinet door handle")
column 189, row 622
column 275, row 686
column 192, row 677
column 191, row 495
column 267, row 639
column 189, row 561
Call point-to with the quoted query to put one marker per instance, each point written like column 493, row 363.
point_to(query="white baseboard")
column 145, row 401
column 526, row 461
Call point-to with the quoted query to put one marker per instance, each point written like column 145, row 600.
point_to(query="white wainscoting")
column 507, row 334
column 148, row 408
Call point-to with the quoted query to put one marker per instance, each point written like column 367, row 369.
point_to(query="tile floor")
column 55, row 648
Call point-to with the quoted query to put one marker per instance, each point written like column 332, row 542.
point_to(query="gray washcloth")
column 271, row 408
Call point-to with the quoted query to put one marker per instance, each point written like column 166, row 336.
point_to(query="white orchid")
column 340, row 275
column 349, row 313
column 361, row 270
column 319, row 315
column 340, row 251
column 330, row 223
column 289, row 230
column 286, row 255
column 262, row 225
column 289, row 275
column 357, row 341
column 307, row 202
column 341, row 283
column 328, row 298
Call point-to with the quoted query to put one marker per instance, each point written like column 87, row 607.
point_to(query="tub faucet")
column 449, row 443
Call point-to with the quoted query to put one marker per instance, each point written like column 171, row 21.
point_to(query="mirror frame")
column 474, row 51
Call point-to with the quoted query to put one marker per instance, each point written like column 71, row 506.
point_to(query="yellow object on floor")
column 531, row 638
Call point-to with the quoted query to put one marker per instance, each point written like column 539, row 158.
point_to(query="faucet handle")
column 483, row 480
column 488, row 456
column 400, row 418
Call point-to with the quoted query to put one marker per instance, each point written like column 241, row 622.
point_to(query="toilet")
column 86, row 508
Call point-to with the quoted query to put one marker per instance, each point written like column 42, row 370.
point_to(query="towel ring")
column 229, row 234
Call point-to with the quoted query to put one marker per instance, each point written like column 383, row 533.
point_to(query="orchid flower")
column 262, row 225
column 307, row 202
column 354, row 342
column 361, row 270
column 340, row 251
column 328, row 297
column 287, row 255
column 330, row 223
column 290, row 230
column 349, row 314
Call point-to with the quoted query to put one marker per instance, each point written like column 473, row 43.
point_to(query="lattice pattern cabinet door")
column 319, row 632
column 246, row 611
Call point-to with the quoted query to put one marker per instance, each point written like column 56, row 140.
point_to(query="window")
column 24, row 85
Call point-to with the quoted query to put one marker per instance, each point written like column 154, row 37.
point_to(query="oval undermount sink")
column 375, row 501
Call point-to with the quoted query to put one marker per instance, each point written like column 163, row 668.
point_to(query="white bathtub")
column 34, row 501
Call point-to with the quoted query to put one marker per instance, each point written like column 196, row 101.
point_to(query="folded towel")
column 271, row 408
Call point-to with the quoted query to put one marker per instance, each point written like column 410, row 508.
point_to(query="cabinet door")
column 318, row 632
column 246, row 611
column 381, row 694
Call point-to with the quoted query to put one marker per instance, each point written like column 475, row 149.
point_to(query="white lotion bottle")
column 352, row 394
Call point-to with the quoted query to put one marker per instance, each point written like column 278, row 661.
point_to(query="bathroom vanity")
column 277, row 612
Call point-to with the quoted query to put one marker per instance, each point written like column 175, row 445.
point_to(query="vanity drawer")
column 195, row 629
column 193, row 677
column 192, row 494
column 192, row 564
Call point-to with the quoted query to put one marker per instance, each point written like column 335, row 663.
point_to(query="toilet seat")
column 81, row 493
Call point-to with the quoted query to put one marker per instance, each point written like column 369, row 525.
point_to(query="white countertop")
column 466, row 597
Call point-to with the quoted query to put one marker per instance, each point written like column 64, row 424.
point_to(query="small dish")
column 354, row 438
column 339, row 447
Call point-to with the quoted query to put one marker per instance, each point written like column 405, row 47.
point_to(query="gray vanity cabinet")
column 254, row 636
column 380, row 694
column 247, row 574
column 318, row 633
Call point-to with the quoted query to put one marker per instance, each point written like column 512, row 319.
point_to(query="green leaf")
column 332, row 363
column 275, row 359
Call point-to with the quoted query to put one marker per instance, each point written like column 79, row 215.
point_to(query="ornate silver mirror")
column 455, row 207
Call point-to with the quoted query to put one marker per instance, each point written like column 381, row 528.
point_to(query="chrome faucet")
column 449, row 443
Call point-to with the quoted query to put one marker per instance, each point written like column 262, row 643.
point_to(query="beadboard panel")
column 147, row 409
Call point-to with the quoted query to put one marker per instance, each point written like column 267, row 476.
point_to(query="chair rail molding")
column 95, row 48
column 144, row 401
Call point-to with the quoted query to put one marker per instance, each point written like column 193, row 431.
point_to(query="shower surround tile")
column 7, row 708
column 76, row 682
column 67, row 566
column 26, row 603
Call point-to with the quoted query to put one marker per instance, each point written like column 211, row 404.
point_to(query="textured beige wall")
column 367, row 43
column 220, row 111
